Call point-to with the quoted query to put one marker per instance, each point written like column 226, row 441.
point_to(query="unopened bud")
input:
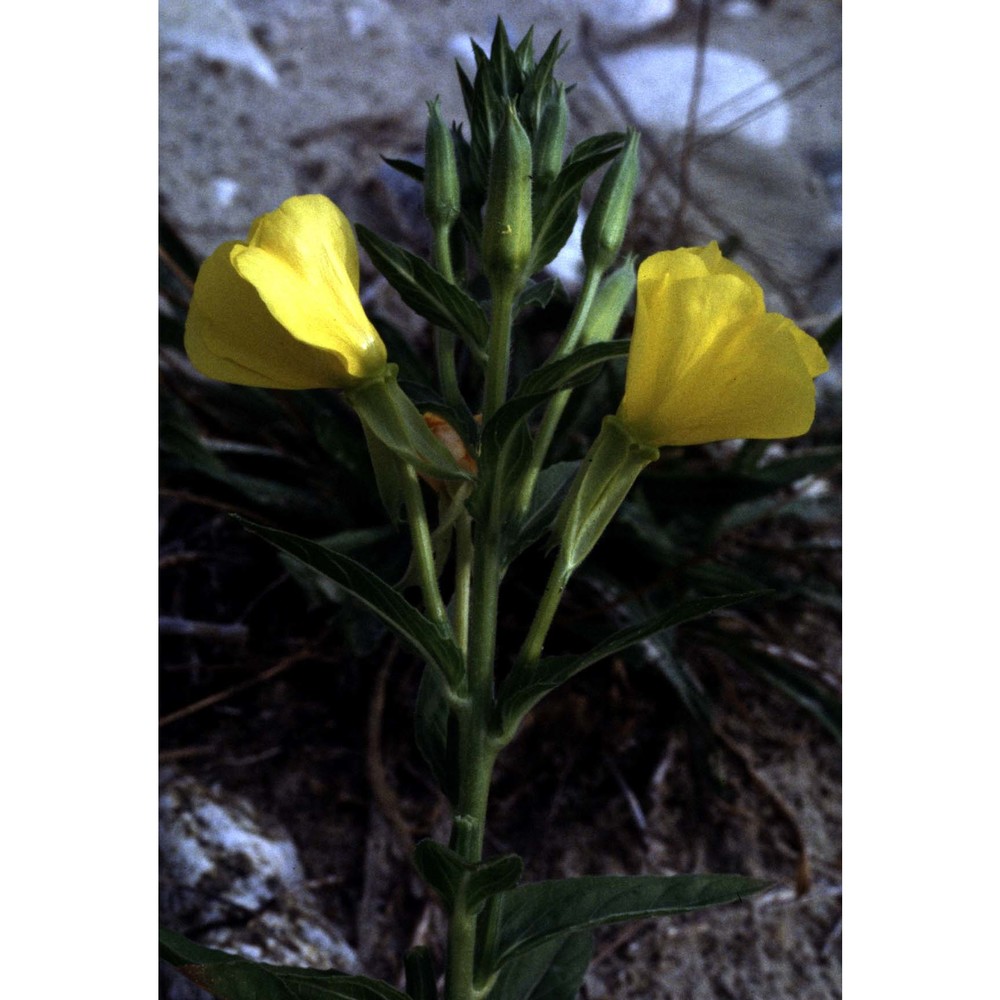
column 507, row 218
column 442, row 195
column 610, row 303
column 605, row 227
column 550, row 139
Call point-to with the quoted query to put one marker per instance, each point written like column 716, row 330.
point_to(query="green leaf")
column 552, row 971
column 407, row 167
column 540, row 911
column 574, row 370
column 551, row 487
column 421, row 634
column 421, row 982
column 556, row 213
column 448, row 875
column 527, row 684
column 536, row 293
column 427, row 292
column 230, row 977
column 433, row 725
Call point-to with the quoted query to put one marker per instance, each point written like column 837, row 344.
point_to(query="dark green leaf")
column 541, row 911
column 432, row 725
column 551, row 487
column 811, row 694
column 528, row 684
column 538, row 293
column 442, row 869
column 556, row 214
column 448, row 875
column 566, row 373
column 427, row 292
column 229, row 977
column 421, row 634
column 421, row 982
column 406, row 167
column 552, row 971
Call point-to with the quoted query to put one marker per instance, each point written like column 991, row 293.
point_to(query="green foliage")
column 229, row 977
column 543, row 911
column 417, row 631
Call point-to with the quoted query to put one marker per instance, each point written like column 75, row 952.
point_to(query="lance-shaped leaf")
column 540, row 911
column 421, row 982
column 230, row 977
column 428, row 292
column 422, row 635
column 556, row 213
column 552, row 971
column 527, row 683
column 500, row 463
column 448, row 875
column 574, row 370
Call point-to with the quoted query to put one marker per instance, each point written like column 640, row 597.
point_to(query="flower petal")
column 707, row 363
column 303, row 262
column 230, row 335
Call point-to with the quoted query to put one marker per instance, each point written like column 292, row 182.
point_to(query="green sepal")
column 388, row 474
column 427, row 292
column 449, row 875
column 230, row 977
column 388, row 414
column 428, row 640
column 421, row 982
column 606, row 475
column 527, row 684
column 543, row 911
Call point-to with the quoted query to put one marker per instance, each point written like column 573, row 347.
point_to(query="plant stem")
column 477, row 748
column 445, row 339
column 554, row 410
column 499, row 356
column 422, row 548
column 531, row 651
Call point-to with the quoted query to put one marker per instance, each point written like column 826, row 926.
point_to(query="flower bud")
column 604, row 229
column 507, row 218
column 610, row 303
column 550, row 139
column 442, row 196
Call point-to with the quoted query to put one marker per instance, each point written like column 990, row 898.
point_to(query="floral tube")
column 282, row 310
column 708, row 362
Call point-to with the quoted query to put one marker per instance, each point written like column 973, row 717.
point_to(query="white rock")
column 214, row 29
column 656, row 82
column 632, row 14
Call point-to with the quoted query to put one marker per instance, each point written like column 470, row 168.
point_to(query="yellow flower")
column 707, row 362
column 282, row 310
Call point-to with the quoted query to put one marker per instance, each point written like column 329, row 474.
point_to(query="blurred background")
column 291, row 791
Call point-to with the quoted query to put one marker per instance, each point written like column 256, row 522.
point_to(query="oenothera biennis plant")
column 706, row 362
